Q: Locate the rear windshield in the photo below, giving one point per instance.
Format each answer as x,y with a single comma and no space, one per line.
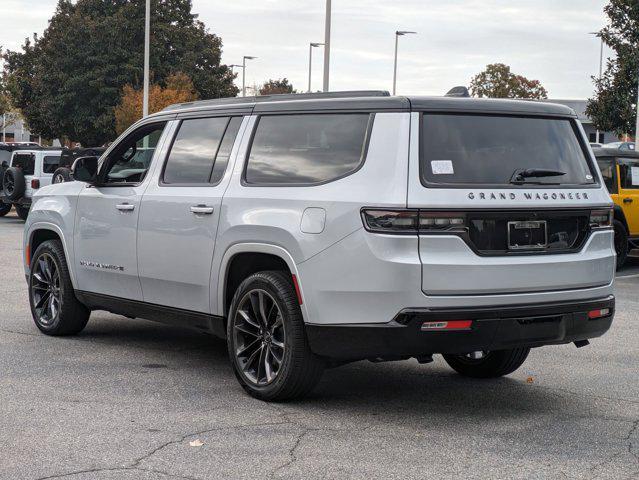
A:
493,150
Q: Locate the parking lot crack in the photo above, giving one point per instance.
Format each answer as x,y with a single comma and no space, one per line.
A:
292,452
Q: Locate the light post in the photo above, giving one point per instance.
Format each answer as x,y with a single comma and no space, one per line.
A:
310,61
244,59
327,45
600,63
398,33
147,42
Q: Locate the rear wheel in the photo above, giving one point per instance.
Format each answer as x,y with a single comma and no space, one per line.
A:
22,211
55,309
621,243
266,339
492,364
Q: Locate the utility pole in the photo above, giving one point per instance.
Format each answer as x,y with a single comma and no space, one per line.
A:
244,59
147,42
327,45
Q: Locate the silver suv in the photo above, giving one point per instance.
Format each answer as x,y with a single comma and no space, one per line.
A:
315,230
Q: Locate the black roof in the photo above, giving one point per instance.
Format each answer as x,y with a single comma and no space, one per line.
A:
366,101
614,152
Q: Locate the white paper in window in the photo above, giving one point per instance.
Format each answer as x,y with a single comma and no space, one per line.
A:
442,167
634,172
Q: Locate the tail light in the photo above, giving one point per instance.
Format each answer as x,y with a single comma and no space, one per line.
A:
601,218
599,313
35,183
412,221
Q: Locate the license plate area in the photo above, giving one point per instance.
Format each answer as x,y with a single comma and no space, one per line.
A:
527,235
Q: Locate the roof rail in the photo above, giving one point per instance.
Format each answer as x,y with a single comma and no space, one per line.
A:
283,97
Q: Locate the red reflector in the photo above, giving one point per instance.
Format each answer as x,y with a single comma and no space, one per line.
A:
35,183
297,289
603,312
28,255
448,325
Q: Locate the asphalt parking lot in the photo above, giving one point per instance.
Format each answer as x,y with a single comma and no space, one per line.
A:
131,399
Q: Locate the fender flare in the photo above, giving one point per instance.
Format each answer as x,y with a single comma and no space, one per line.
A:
56,229
253,247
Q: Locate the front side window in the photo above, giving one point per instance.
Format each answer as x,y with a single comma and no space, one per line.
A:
201,150
129,161
495,150
306,149
629,173
607,167
50,163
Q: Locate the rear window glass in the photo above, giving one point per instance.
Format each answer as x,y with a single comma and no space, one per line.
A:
492,150
50,163
607,167
629,173
26,162
306,149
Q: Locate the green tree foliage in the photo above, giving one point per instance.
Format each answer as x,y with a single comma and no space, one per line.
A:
67,82
273,87
497,81
614,106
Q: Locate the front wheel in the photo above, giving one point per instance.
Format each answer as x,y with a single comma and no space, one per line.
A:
266,339
492,364
22,211
54,307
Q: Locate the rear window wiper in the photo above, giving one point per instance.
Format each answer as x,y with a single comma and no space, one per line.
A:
520,176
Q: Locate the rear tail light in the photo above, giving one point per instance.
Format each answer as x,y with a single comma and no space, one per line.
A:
599,313
412,221
601,218
447,325
35,183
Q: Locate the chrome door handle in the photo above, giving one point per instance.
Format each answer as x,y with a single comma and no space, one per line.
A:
125,207
201,209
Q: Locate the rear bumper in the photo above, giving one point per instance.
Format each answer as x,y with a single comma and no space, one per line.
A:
493,328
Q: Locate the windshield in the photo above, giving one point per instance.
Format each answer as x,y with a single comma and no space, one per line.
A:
493,150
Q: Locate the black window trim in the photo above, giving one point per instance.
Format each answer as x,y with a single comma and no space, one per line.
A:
105,156
362,160
584,148
181,120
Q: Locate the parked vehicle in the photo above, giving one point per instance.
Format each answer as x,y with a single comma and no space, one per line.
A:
624,146
620,172
6,150
69,155
314,230
27,171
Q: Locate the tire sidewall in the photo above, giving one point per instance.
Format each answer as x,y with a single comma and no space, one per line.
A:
291,317
19,185
622,236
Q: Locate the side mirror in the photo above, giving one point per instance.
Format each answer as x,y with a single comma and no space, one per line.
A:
85,169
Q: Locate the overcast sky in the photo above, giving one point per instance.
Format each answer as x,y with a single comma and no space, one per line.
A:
541,39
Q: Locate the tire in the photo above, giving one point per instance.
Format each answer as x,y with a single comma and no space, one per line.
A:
299,369
13,184
22,211
621,243
68,316
4,208
61,175
493,364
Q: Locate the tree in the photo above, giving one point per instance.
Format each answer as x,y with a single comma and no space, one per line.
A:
497,81
179,88
273,87
614,107
68,81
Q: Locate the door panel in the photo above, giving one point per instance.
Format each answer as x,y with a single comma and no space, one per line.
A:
628,197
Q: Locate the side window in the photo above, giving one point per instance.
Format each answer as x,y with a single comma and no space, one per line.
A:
50,163
629,173
25,162
607,167
200,151
130,160
306,149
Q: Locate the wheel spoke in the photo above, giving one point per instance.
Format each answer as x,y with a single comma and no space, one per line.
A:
278,322
242,350
277,343
274,355
43,299
252,358
268,369
247,318
261,364
262,302
243,329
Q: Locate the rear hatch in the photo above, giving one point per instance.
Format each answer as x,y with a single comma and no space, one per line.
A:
508,203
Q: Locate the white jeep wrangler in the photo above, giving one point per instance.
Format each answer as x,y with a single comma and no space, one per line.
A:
314,230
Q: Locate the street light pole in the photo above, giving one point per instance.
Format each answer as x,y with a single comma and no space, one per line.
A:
600,63
244,59
147,42
310,61
327,45
398,34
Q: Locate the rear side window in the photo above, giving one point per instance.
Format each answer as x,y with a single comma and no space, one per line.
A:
607,167
50,163
629,173
491,150
306,149
201,150
25,162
